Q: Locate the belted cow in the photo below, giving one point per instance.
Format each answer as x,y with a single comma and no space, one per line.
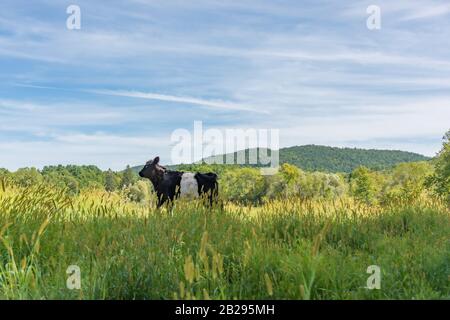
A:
170,185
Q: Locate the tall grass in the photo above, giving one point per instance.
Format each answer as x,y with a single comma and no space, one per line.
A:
282,250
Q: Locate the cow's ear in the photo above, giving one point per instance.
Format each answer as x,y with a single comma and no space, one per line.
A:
156,160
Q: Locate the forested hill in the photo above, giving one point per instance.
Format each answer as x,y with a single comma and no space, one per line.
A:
332,159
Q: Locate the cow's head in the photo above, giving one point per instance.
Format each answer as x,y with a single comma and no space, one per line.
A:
152,170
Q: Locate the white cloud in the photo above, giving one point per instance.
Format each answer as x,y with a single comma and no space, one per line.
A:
400,10
427,12
216,104
105,151
313,71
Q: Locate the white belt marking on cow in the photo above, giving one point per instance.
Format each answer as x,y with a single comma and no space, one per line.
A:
189,185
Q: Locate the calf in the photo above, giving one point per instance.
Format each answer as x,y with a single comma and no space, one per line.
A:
169,184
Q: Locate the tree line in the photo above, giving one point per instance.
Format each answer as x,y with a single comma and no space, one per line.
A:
406,182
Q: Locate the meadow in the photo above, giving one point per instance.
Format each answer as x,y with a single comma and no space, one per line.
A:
281,249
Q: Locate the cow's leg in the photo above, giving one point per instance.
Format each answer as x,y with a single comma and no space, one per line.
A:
171,199
204,196
211,202
159,204
170,207
214,194
161,200
211,197
208,198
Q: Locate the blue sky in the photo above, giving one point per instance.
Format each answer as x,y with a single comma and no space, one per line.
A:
111,93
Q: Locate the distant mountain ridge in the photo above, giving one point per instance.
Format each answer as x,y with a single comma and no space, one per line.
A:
333,159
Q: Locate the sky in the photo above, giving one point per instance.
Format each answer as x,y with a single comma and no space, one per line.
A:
112,92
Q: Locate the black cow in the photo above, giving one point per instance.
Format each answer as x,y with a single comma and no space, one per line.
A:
169,184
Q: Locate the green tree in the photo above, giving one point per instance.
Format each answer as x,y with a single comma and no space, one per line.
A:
128,178
440,181
72,185
85,176
321,185
4,174
363,184
285,183
245,185
27,177
110,181
291,181
406,181
137,192
276,187
290,173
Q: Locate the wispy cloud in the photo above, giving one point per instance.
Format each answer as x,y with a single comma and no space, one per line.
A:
216,104
115,150
311,68
427,12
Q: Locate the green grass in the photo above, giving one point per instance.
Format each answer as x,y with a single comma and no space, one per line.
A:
282,250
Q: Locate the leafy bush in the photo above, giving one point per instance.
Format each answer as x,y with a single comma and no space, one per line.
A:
440,181
137,192
245,185
364,186
293,182
27,177
406,182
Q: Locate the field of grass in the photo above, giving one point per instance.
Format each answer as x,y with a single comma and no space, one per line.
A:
282,250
